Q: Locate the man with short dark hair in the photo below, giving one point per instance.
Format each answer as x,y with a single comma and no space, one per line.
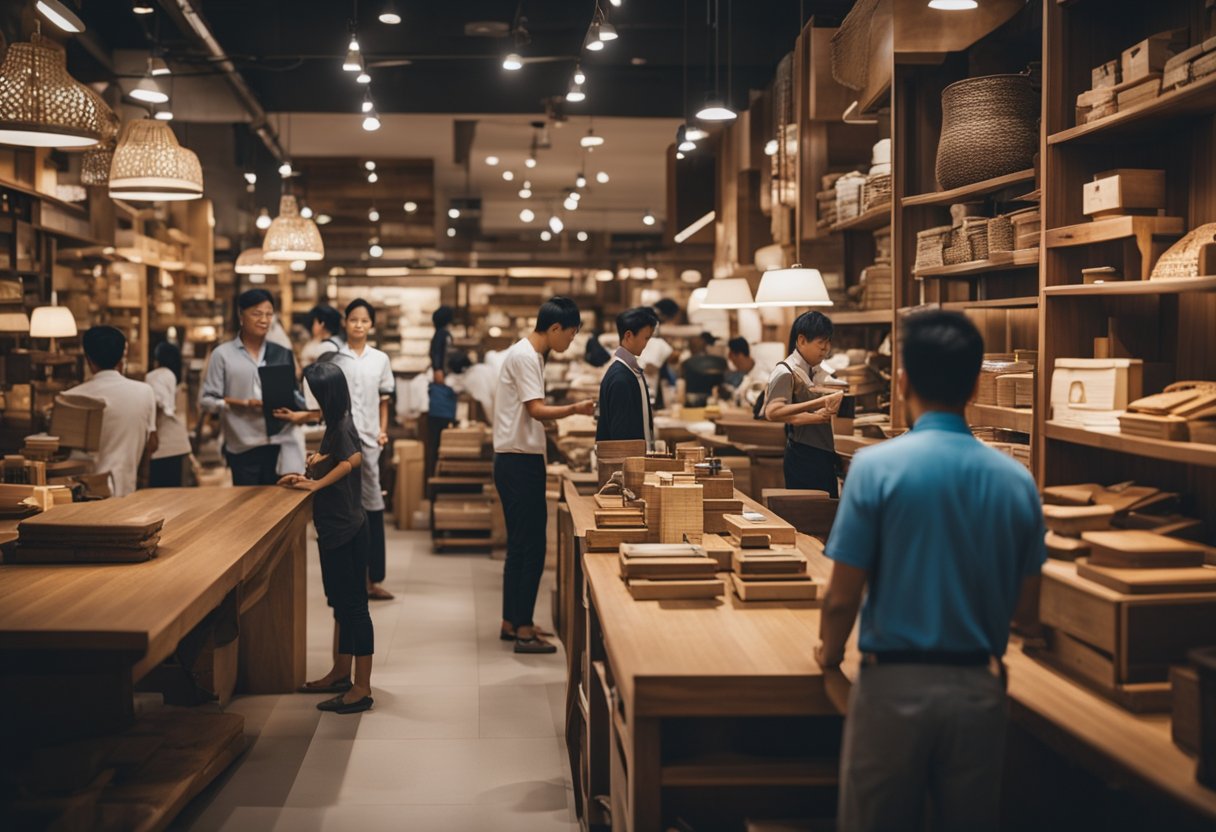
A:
944,537
625,409
324,324
746,374
519,464
128,424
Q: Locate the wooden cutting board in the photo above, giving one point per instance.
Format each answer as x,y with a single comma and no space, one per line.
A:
1150,581
1138,549
679,590
787,590
1076,519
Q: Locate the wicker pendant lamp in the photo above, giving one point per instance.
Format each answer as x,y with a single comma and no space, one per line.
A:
41,105
292,237
96,161
253,261
150,166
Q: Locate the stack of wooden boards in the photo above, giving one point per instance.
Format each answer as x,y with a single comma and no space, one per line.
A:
1134,601
18,501
667,571
105,531
772,575
464,510
1177,415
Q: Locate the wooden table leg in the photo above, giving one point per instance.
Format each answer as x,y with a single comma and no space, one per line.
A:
274,647
645,775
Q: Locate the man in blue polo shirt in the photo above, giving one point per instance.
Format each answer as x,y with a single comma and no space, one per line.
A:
944,537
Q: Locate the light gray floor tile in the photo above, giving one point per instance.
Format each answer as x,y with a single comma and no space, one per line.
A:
516,711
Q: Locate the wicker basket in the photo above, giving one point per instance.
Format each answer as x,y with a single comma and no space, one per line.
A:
957,250
930,247
1183,258
1027,224
989,129
1000,234
851,46
975,231
875,191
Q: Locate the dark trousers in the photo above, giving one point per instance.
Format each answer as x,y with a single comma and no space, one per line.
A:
434,427
375,546
520,480
255,466
344,576
811,468
166,472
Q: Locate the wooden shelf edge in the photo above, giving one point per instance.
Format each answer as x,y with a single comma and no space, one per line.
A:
994,303
1001,261
1189,453
750,772
982,188
871,220
1134,287
1112,228
863,317
1185,100
1020,419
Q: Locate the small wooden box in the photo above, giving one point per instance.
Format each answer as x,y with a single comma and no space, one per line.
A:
682,590
719,549
1150,55
804,589
780,533
1081,386
1073,520
1146,90
1107,74
681,514
1124,191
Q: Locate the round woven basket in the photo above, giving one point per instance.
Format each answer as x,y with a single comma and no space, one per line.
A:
989,129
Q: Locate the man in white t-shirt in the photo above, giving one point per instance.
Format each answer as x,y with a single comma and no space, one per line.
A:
519,464
128,424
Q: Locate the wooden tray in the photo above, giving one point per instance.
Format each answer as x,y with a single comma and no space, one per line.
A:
1139,549
646,590
787,590
1150,581
1076,519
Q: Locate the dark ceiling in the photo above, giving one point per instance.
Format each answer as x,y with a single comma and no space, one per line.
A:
290,51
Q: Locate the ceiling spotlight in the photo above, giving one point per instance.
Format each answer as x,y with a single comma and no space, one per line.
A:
390,15
679,155
451,232
593,42
158,67
353,62
306,212
375,250
508,175
251,178
583,236
513,62
648,219
580,77
371,123
591,139
369,165
142,7
526,191
527,215
555,224
695,132
373,178
324,219
367,106
263,221
616,3
149,92
454,213
546,236
410,207
373,215
608,32
163,115
363,77
770,147
492,161
602,177
530,162
576,94
716,110
580,181
953,5
570,204
285,169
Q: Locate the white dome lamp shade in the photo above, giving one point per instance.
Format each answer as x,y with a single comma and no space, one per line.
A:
715,109
52,322
728,293
291,237
792,287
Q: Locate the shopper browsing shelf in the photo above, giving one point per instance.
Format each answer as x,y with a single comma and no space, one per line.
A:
747,374
334,477
324,324
128,424
944,538
172,439
519,464
625,408
796,397
233,389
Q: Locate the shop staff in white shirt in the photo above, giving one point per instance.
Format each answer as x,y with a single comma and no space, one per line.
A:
370,379
128,424
172,440
519,464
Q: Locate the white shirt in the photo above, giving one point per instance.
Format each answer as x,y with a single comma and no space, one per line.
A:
652,359
129,419
369,376
521,380
479,381
313,351
171,436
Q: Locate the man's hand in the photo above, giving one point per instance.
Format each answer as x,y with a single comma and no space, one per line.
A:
305,484
288,480
585,407
825,661
813,417
832,403
244,404
296,417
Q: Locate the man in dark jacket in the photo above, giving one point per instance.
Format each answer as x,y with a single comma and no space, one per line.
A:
624,395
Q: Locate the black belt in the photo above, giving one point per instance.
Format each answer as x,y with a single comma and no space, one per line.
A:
953,658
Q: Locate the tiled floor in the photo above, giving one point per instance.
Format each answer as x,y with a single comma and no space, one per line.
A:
465,735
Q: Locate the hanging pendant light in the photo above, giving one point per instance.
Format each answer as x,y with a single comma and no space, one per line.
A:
150,166
147,90
728,293
953,5
580,181
95,162
157,67
593,42
41,105
513,62
715,109
795,286
683,143
607,32
555,224
591,139
371,123
367,107
364,77
648,219
576,95
253,261
390,16
264,220
354,60
60,15
580,77
527,215
306,212
142,6
695,132
290,236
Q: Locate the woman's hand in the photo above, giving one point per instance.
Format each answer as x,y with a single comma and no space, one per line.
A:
295,417
832,403
382,439
812,417
244,404
305,484
289,480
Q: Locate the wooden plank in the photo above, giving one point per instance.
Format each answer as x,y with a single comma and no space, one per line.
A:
1178,285
1113,228
1010,418
965,193
1187,453
1198,98
785,590
877,217
1150,581
682,589
998,262
1072,520
1136,548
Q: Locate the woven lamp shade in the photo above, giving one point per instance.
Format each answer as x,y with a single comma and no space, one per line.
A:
253,261
292,237
41,105
95,162
149,165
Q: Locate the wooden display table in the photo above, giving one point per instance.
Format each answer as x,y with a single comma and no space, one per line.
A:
74,639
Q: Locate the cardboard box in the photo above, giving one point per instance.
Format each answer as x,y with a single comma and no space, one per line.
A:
1124,191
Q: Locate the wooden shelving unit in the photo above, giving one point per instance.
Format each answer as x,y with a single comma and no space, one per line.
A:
999,262
1187,453
1194,101
1020,419
1119,288
872,220
1112,228
864,317
969,192
998,303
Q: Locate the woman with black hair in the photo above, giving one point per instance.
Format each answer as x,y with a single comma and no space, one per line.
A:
334,477
797,398
173,445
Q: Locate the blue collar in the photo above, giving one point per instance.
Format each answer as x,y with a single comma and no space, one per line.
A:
940,420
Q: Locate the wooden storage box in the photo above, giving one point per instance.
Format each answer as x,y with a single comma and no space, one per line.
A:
1107,74
1150,55
1124,191
1123,645
1027,228
1146,90
1082,386
780,533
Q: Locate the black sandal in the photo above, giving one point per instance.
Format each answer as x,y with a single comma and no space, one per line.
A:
337,706
340,686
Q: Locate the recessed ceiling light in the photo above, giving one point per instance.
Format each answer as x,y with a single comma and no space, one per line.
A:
546,236
602,177
451,232
410,207
583,236
60,15
527,215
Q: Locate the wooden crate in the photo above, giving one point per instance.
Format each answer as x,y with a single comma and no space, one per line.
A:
717,486
1124,191
610,540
